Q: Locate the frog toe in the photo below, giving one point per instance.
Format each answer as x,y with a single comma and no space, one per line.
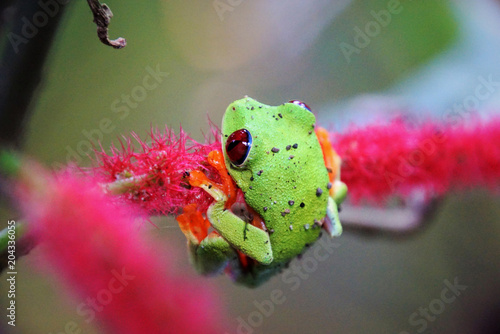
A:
332,222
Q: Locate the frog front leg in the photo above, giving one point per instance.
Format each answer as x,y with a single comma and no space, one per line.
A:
338,189
212,252
248,239
338,193
332,221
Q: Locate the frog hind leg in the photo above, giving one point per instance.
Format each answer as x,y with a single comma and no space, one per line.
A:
209,253
245,237
213,255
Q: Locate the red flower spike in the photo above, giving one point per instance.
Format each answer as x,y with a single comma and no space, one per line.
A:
155,177
378,161
385,159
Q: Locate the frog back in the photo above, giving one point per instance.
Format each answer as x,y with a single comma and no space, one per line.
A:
284,177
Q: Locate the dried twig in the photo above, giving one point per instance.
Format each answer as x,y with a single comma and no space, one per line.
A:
102,16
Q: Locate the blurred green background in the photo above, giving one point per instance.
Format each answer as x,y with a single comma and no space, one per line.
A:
424,57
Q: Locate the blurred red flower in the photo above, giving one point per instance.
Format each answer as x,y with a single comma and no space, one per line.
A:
92,245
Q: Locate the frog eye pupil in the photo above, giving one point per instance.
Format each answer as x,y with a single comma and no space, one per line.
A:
238,146
300,103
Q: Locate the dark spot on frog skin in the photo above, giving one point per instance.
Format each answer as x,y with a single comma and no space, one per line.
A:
329,186
234,108
264,208
319,191
280,115
252,108
288,147
291,157
275,150
287,211
310,132
291,202
295,145
329,170
251,179
259,173
302,205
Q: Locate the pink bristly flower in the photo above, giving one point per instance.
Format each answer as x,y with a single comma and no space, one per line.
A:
154,176
91,244
380,160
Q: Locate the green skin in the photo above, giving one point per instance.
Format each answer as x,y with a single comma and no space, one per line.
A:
284,179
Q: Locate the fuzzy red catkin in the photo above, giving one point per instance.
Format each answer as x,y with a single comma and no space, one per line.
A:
117,277
165,161
379,160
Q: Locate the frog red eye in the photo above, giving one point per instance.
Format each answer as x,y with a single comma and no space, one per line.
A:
238,146
300,103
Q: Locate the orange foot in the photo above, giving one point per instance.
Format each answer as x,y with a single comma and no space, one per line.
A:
193,224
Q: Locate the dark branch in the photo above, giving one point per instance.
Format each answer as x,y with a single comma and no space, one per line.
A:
102,18
27,44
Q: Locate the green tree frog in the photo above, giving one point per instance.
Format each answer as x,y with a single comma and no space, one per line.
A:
280,186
